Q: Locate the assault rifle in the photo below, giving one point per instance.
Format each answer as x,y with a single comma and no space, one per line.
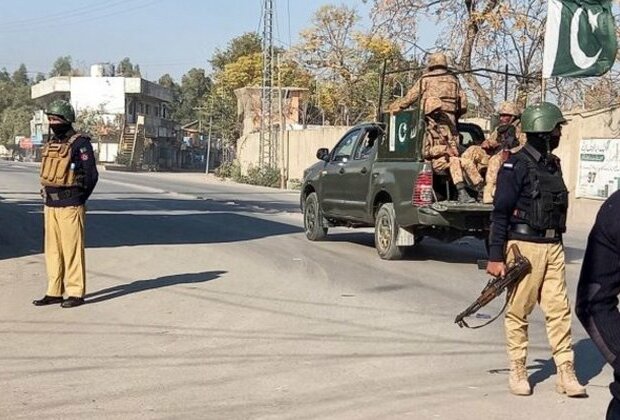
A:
515,271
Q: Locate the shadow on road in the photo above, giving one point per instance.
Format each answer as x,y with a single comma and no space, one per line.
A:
144,285
133,221
588,364
465,251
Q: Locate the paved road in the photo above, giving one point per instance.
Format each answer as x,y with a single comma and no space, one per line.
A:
206,301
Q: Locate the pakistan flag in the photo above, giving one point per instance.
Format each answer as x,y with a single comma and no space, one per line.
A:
580,38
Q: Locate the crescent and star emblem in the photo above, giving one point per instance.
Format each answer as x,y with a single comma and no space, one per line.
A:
580,58
402,132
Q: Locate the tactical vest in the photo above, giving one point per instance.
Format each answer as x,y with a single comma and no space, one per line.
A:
549,196
445,87
56,168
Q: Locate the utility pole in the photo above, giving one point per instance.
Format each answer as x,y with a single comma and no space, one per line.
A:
266,152
200,109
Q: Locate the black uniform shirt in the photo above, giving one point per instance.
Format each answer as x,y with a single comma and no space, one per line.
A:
83,162
599,286
514,191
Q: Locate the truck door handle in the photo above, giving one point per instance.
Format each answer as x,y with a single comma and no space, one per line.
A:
341,171
364,170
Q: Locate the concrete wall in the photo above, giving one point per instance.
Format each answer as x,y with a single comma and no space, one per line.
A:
603,124
298,150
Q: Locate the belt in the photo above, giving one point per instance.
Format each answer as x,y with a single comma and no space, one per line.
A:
64,194
527,230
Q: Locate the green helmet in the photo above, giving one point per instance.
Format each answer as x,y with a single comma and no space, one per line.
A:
62,109
541,118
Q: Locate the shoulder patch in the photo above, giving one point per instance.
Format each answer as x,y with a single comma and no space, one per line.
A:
508,165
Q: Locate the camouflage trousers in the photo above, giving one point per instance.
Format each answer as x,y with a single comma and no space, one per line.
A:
456,166
452,165
474,160
495,163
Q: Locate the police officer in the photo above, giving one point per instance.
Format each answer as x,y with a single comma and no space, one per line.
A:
530,209
68,175
437,82
598,290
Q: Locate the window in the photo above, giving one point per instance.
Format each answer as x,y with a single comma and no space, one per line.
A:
140,108
344,149
148,109
367,145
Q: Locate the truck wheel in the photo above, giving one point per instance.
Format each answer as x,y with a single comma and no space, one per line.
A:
313,219
386,231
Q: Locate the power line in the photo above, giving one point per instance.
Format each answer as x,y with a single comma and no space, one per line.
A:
80,19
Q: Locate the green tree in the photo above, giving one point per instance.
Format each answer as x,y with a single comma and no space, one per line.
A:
20,76
195,86
126,68
62,66
4,75
246,44
168,82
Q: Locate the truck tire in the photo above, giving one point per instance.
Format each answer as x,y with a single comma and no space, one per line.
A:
313,219
386,231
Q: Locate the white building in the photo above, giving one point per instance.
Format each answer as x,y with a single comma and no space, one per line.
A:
142,108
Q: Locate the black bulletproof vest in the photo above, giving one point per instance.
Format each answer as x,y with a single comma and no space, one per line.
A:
548,202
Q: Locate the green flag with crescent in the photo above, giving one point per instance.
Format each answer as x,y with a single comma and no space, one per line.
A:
580,38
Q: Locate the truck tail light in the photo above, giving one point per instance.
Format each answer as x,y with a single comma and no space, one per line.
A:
423,187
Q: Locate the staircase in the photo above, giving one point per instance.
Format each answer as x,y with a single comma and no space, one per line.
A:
131,144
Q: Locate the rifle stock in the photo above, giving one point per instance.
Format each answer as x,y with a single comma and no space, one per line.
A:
515,271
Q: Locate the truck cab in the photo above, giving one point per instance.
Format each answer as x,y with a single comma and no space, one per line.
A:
375,176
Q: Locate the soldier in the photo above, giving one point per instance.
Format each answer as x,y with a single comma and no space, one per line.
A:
507,138
68,176
437,82
441,149
530,209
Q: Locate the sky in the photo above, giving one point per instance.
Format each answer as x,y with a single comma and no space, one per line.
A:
161,36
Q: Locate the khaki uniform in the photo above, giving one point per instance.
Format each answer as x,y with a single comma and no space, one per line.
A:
64,250
440,148
496,161
545,285
68,175
478,157
436,83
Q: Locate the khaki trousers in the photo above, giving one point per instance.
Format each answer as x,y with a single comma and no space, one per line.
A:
545,284
473,160
64,250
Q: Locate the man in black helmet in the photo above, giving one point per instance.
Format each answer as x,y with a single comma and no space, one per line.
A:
68,176
530,207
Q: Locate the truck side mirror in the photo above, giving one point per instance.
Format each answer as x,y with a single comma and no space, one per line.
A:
322,154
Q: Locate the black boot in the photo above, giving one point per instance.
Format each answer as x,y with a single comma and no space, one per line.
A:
72,302
47,300
463,197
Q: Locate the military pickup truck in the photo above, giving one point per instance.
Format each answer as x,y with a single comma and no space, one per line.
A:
375,177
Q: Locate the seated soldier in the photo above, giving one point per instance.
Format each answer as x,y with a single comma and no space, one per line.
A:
440,148
506,139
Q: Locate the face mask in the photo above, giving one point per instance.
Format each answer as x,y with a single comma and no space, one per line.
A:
554,142
60,130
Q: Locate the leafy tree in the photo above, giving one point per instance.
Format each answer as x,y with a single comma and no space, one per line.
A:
168,82
346,62
126,68
39,78
195,86
4,75
20,76
246,44
62,67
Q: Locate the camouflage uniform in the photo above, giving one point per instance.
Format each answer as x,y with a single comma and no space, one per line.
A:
441,148
497,143
437,82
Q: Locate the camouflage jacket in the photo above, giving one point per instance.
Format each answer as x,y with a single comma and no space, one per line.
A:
440,84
